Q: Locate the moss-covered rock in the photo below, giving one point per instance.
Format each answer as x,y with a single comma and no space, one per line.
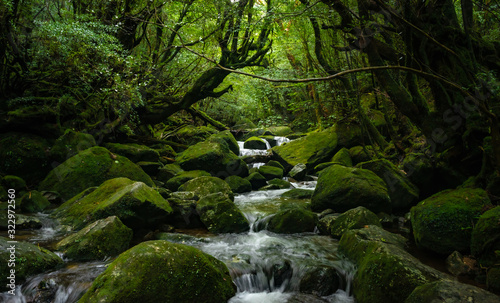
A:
191,134
184,176
298,193
24,155
275,164
29,260
355,218
443,222
134,152
420,170
280,183
14,182
255,143
403,193
386,273
450,291
22,222
486,238
320,280
244,123
292,220
168,171
257,180
150,168
88,168
270,172
226,137
342,188
320,167
280,130
203,186
160,271
33,202
70,144
238,184
214,157
298,172
359,154
103,238
220,214
493,280
342,157
136,204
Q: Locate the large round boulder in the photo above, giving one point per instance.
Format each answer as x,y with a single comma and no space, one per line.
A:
486,238
226,137
355,218
183,176
270,172
443,222
238,184
342,188
291,220
88,168
70,144
136,204
255,143
220,215
103,238
134,152
161,271
203,186
450,291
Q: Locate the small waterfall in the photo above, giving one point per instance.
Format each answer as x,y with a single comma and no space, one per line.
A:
281,140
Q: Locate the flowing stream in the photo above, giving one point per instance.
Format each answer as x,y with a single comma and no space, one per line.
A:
266,267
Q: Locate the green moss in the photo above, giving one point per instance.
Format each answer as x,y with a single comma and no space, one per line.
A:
96,241
89,168
354,218
190,134
134,152
255,143
238,184
275,164
450,291
280,130
270,172
203,186
220,215
70,144
225,137
298,193
342,157
359,154
184,176
33,202
14,182
342,188
30,260
136,204
443,222
292,220
280,183
160,271
486,237
257,180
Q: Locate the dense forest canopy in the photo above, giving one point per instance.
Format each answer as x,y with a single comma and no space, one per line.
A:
429,68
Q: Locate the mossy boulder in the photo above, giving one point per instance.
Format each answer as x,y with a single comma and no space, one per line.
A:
22,222
493,280
342,188
191,134
310,150
203,186
167,172
33,202
486,238
420,170
290,220
280,130
355,218
320,280
257,180
359,154
275,164
280,183
386,273
136,204
220,215
134,152
70,144
226,137
450,291
298,193
160,271
270,172
214,157
24,155
342,157
443,222
255,143
238,184
150,168
403,193
103,238
89,168
184,176
29,259
14,182
298,172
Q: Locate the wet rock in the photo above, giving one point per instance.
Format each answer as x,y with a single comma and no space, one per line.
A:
292,220
89,168
280,130
203,186
220,215
298,193
70,144
355,218
342,157
359,154
160,271
22,222
342,188
298,172
403,193
191,134
136,204
455,264
184,176
320,281
134,152
280,183
255,143
179,238
29,259
270,172
225,137
96,241
443,222
280,273
150,168
184,213
485,245
238,184
275,164
386,272
450,291
168,171
325,223
257,180
14,182
304,298
33,202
